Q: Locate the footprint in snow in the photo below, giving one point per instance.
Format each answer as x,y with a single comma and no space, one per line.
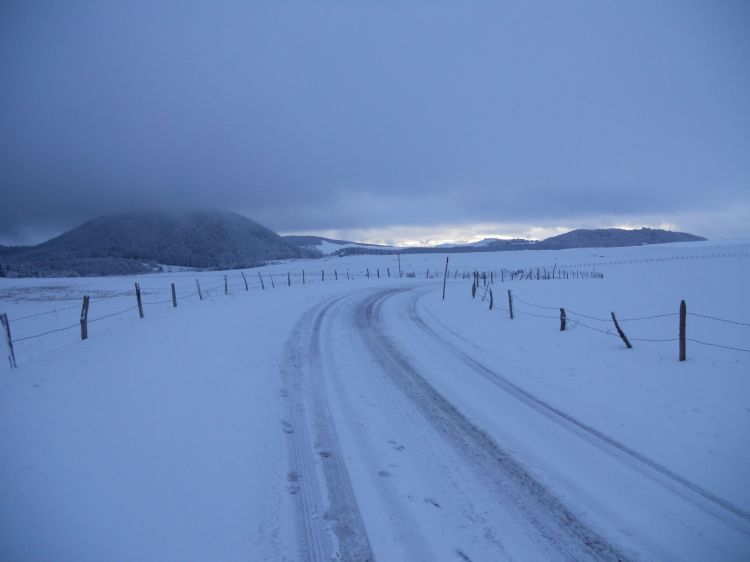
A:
397,446
292,482
286,427
384,474
433,502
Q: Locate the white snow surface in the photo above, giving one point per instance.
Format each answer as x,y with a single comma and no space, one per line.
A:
367,418
329,248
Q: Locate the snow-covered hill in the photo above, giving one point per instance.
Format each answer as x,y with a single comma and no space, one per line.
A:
329,246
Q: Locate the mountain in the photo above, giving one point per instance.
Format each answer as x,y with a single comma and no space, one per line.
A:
140,241
581,238
611,237
329,246
479,244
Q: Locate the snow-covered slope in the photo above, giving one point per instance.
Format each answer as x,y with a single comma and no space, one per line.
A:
329,246
365,417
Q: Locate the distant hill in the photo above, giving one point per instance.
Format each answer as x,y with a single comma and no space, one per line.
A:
582,238
611,237
329,246
140,241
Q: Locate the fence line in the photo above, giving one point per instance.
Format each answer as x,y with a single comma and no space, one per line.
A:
565,318
487,278
208,289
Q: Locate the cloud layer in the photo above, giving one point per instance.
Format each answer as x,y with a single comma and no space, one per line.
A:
355,116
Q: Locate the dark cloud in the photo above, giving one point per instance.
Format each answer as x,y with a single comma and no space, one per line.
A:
332,115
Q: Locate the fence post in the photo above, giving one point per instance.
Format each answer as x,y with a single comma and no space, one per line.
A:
245,280
226,286
491,300
399,264
347,274
138,298
389,271
270,276
446,276
200,295
683,319
378,273
368,272
474,288
303,276
174,297
622,334
336,275
85,318
563,318
322,275
6,328
510,304
288,279
262,285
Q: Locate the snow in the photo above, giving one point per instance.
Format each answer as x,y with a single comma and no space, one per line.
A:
329,248
367,416
477,244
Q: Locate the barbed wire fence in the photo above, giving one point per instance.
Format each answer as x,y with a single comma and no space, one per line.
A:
611,326
202,287
209,286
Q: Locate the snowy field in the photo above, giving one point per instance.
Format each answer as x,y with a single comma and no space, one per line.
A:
358,417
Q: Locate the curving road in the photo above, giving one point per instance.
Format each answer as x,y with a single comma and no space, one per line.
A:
405,444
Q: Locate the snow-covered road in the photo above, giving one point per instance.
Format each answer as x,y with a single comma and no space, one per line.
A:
426,453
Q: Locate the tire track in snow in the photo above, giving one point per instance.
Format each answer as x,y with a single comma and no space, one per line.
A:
687,489
327,509
504,477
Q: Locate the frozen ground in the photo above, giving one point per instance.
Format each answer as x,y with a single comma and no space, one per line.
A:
367,418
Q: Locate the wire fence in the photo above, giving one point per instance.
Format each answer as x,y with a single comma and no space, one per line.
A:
201,287
210,286
570,318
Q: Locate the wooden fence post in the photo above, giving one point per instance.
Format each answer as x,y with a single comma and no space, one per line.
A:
85,318
622,334
336,275
388,269
474,288
378,273
322,275
200,295
510,304
563,318
347,274
303,276
138,298
8,340
262,285
491,300
288,279
446,276
174,297
273,285
226,286
245,280
683,321
368,272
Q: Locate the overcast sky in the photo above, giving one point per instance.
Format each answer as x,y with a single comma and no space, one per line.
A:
385,121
